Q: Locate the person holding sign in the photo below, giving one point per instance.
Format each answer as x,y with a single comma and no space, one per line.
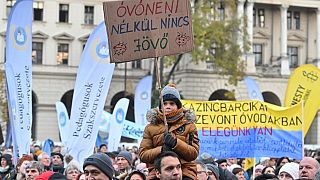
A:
181,136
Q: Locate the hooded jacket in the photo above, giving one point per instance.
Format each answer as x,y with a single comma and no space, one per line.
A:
181,125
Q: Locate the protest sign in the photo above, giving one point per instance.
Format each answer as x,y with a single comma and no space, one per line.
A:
142,29
304,85
229,129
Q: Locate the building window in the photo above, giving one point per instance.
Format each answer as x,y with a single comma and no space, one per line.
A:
257,51
63,13
88,14
261,18
63,53
37,49
289,20
37,11
293,56
136,64
254,17
10,4
293,20
221,11
296,20
209,64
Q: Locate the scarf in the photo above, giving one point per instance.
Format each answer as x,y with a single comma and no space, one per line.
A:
172,117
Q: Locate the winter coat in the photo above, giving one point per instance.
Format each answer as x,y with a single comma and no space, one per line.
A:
181,125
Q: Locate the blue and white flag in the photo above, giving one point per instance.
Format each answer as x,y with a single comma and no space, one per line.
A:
90,93
18,69
116,122
130,129
63,122
142,100
253,89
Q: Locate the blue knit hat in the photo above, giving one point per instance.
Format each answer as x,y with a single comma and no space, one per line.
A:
127,155
170,93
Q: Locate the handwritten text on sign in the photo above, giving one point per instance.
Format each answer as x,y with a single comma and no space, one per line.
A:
140,29
242,129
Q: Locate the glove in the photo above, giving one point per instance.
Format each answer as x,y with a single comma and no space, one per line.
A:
169,140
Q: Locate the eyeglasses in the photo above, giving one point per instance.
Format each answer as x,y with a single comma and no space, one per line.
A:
93,172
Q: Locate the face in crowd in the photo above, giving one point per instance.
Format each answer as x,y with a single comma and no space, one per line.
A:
201,173
169,107
285,176
72,174
94,173
170,169
223,165
122,163
56,160
308,168
45,159
240,175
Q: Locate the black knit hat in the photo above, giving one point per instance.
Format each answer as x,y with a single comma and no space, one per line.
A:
102,162
56,153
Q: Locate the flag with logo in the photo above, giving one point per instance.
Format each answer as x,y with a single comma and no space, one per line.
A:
142,100
90,92
304,85
18,68
116,122
253,89
63,121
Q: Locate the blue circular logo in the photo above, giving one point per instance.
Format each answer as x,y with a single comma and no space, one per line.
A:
102,50
62,119
119,115
20,36
144,95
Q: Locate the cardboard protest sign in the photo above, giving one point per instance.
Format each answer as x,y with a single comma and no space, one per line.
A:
242,129
140,29
304,85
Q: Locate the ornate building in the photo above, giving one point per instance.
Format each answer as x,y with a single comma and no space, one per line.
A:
283,35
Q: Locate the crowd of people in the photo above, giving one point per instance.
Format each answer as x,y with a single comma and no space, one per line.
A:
127,165
169,150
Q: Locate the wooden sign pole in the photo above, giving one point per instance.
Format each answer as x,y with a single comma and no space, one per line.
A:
156,59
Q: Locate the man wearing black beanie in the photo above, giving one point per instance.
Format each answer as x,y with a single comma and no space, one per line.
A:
99,167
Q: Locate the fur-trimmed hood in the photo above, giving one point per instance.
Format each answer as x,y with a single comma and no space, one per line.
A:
152,115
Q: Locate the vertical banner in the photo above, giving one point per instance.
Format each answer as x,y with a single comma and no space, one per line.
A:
304,84
18,69
142,100
90,93
254,93
116,122
253,89
63,121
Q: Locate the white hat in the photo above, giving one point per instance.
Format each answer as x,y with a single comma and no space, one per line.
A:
230,168
291,168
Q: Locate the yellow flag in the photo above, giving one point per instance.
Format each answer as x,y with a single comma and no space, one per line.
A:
249,163
304,85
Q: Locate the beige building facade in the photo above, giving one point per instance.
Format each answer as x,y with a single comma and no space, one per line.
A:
282,34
